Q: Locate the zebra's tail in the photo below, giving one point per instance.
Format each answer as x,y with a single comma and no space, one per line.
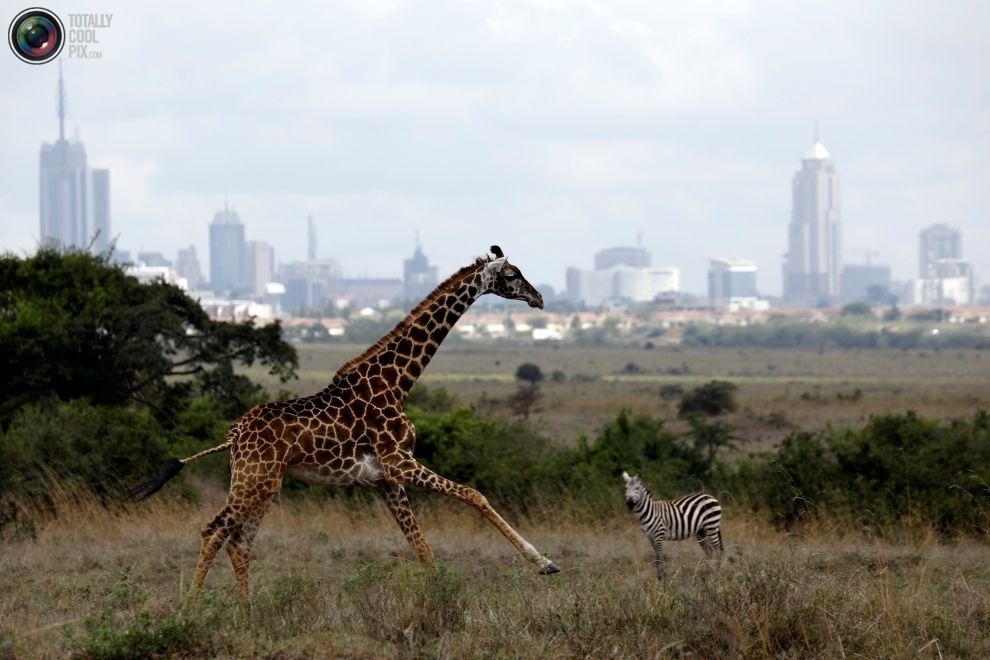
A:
172,467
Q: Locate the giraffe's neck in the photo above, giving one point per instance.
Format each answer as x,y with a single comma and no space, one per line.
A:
396,361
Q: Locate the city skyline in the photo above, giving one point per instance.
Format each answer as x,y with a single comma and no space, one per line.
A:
678,123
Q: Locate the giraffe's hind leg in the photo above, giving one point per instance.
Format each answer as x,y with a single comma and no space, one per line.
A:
213,535
240,542
398,504
238,522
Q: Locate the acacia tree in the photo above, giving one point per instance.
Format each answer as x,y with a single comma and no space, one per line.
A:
527,395
714,398
75,326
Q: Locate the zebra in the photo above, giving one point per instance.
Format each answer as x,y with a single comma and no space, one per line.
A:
697,515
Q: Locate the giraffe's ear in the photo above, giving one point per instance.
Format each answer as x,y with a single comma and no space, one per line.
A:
626,477
495,265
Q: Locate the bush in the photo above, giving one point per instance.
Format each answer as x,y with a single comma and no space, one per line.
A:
77,441
713,398
897,470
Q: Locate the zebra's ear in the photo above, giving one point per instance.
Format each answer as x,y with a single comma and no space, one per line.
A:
625,476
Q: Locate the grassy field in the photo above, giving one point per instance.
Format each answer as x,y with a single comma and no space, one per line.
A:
333,577
779,390
331,580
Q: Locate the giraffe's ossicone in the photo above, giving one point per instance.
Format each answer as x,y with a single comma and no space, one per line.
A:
354,431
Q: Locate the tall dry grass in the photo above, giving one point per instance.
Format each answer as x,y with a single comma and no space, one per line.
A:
332,578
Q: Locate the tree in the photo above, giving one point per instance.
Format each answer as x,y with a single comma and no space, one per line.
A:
529,372
75,326
713,398
857,309
528,394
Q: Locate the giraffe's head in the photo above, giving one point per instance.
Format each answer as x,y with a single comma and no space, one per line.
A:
505,280
635,491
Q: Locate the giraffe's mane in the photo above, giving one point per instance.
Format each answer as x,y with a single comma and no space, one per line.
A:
403,326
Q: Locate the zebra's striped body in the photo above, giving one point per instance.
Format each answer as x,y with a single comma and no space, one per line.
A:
698,515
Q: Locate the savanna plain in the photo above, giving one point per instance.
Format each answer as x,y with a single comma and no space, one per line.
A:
333,577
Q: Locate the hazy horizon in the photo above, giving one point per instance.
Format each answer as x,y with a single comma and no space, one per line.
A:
553,129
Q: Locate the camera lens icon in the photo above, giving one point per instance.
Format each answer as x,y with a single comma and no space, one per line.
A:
36,35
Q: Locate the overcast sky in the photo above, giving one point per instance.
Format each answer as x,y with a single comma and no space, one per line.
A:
552,128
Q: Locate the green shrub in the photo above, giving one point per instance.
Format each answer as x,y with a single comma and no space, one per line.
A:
100,446
897,470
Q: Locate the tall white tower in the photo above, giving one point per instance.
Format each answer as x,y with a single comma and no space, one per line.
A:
814,248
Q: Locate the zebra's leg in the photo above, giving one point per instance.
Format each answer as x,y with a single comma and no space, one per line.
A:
660,564
716,541
705,541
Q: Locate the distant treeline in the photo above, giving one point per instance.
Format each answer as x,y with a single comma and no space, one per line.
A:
838,334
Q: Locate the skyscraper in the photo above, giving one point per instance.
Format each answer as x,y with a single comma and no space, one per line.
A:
228,263
74,200
936,243
814,247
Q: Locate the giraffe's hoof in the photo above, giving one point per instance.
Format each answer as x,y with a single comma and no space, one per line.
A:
549,568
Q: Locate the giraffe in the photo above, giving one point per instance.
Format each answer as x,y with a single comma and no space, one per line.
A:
353,432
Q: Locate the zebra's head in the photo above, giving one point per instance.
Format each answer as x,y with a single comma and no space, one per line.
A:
635,491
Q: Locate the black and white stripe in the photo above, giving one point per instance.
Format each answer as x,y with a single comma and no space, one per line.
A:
698,515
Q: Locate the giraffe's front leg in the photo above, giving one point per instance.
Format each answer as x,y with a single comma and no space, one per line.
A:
397,502
411,472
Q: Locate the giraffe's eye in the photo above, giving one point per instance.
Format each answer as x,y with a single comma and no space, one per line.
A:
509,275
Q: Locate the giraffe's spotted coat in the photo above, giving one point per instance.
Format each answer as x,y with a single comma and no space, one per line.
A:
354,431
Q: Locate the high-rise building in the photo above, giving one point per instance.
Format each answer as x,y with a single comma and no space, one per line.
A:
74,200
935,243
418,276
732,282
308,283
310,238
228,271
634,257
870,282
100,226
260,266
814,247
187,266
944,278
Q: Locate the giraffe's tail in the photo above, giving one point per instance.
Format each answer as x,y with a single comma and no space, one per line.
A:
171,468
145,490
